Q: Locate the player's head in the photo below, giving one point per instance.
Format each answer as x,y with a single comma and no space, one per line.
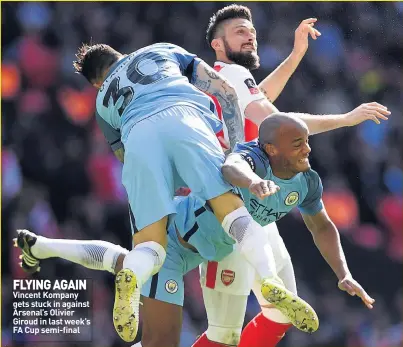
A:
232,36
94,61
285,140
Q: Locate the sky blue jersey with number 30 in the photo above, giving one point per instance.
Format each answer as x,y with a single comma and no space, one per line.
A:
148,81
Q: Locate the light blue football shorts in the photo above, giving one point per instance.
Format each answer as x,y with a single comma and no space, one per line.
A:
173,146
197,225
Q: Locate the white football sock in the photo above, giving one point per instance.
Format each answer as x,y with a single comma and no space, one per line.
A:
145,260
275,315
252,241
96,255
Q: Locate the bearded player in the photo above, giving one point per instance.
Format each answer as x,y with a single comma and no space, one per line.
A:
334,122
258,168
232,36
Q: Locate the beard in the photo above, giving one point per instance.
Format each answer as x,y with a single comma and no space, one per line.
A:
249,60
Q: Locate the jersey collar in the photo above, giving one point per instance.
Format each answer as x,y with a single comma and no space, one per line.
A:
220,64
115,65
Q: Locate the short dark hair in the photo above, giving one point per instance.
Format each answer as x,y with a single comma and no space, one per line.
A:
228,12
93,60
270,126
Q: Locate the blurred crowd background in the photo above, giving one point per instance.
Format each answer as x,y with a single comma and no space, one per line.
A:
61,180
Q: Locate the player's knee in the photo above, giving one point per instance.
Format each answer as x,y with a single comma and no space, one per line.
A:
224,204
156,232
157,252
224,335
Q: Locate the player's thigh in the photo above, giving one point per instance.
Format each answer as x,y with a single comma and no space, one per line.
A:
148,174
225,203
162,323
197,154
285,269
287,275
225,314
224,309
232,275
226,286
153,232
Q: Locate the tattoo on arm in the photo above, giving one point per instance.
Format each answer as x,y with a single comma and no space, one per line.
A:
211,73
207,80
202,85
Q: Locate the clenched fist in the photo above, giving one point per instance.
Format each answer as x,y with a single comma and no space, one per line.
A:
263,188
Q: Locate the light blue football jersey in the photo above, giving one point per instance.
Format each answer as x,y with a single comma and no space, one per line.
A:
148,81
304,190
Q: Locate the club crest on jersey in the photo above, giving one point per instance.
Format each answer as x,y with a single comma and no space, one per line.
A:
227,277
171,286
291,198
251,84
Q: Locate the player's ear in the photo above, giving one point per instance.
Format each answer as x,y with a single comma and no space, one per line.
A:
270,149
217,44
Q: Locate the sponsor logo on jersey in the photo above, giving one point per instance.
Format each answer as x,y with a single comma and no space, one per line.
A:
251,84
291,198
171,286
227,277
263,214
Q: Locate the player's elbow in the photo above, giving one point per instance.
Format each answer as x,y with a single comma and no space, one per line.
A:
230,90
227,171
225,168
325,228
225,90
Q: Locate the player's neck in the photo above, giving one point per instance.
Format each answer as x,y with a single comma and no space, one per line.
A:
280,172
106,73
220,56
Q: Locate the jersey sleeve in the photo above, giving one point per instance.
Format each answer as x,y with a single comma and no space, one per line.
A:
254,156
244,84
112,135
188,62
312,203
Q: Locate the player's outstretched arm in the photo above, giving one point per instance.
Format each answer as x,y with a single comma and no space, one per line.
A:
321,123
209,81
327,239
258,110
273,85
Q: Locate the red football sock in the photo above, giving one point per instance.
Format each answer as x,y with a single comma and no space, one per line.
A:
262,332
203,341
